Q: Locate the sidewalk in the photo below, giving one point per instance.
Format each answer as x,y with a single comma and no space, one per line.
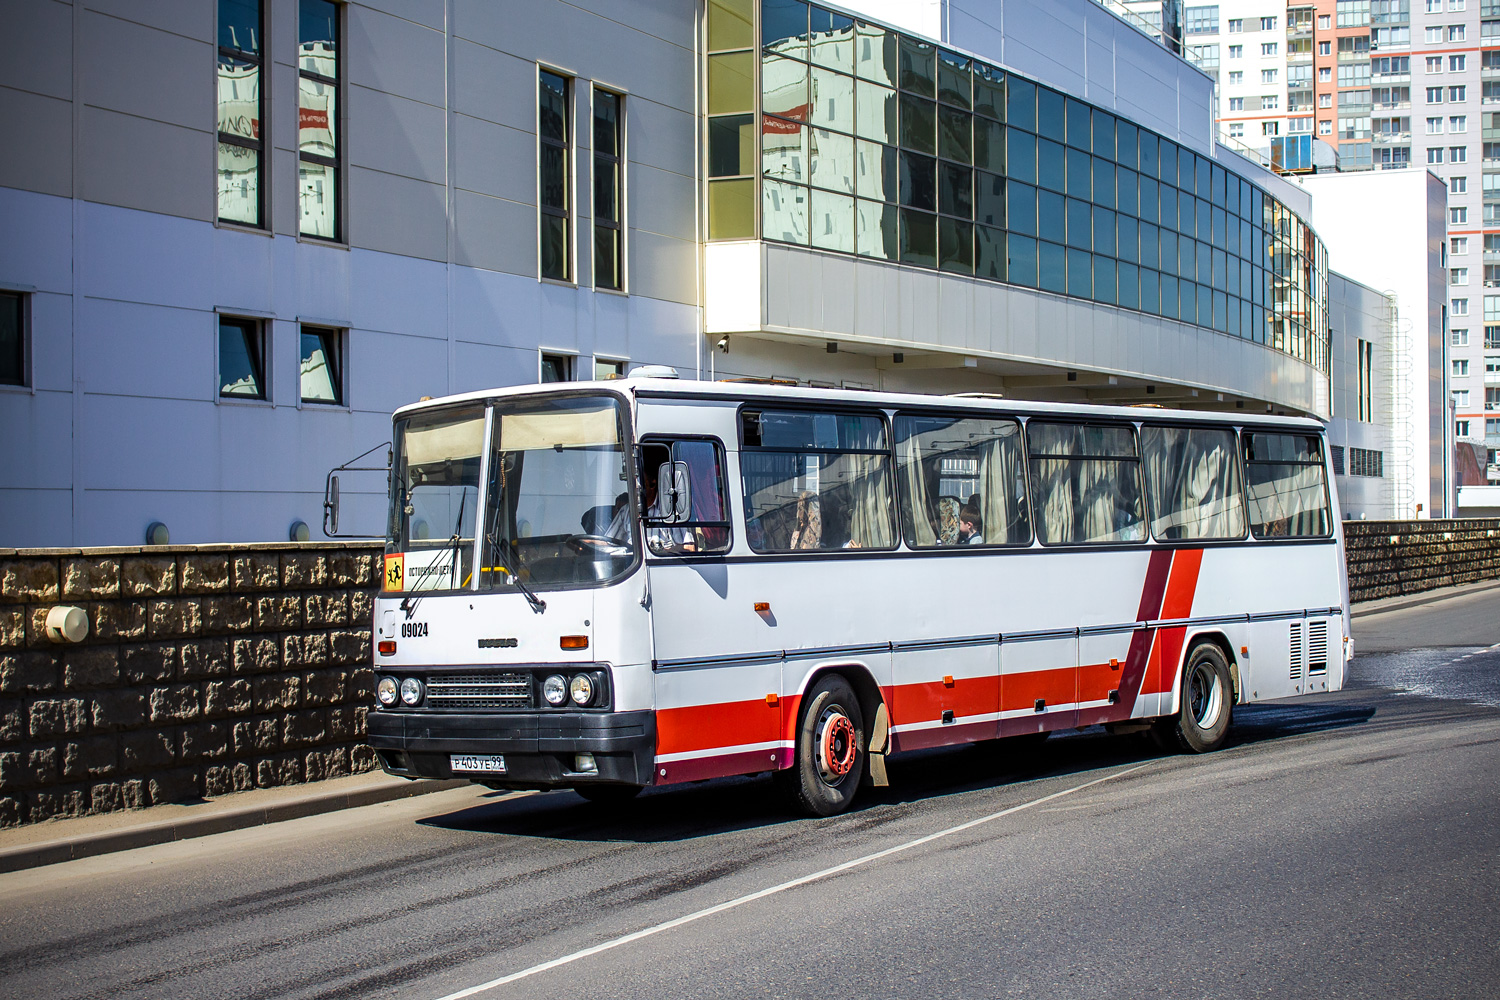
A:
85,836
1417,600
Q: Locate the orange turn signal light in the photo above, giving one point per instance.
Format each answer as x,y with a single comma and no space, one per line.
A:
772,699
948,681
761,607
387,647
574,642
1244,650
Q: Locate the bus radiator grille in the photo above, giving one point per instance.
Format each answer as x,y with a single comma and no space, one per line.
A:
479,690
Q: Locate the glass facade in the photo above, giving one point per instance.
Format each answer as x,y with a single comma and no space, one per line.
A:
866,141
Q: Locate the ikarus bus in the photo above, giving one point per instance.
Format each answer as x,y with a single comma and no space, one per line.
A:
608,585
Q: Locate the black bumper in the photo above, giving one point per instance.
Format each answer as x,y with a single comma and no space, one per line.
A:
538,747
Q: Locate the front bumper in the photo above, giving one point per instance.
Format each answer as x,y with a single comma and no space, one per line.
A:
538,747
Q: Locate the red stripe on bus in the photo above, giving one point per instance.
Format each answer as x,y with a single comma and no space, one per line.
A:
722,765
1131,679
706,727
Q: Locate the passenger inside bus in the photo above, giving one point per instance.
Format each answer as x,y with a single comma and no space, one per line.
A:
970,523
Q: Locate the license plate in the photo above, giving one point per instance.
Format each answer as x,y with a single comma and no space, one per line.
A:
481,764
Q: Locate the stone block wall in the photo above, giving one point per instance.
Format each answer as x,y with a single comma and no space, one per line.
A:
1391,558
206,670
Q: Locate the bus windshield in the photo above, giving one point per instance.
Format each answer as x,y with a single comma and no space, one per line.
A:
558,508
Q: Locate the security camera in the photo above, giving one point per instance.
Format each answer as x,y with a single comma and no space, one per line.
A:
724,344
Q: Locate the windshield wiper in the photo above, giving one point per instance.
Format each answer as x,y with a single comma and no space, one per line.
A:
463,499
537,604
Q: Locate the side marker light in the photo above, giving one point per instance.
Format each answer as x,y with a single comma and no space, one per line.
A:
387,647
573,642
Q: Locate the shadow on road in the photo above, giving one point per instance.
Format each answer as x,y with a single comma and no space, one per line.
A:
709,808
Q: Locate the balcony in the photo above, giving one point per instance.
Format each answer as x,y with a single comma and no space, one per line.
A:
1391,137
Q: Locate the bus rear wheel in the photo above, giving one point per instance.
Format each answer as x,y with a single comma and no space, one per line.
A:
830,750
1207,704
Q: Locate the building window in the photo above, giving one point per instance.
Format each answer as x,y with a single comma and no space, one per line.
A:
1458,275
1236,77
1236,25
1434,6
1270,128
1455,32
1461,428
1236,51
1268,24
554,134
1325,48
1456,64
1236,130
1201,20
1491,338
1434,126
1435,154
1323,24
1364,352
1458,185
607,369
1459,337
1458,94
1461,398
241,114
1461,368
1325,100
1325,74
557,368
318,141
12,338
1268,76
1268,48
1458,154
322,365
1270,102
1491,399
609,190
1325,127
1236,104
1459,307
242,358
1458,123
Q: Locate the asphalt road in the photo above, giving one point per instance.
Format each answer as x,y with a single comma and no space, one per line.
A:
1343,846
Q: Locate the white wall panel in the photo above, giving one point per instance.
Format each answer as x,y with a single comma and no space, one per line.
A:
396,294
43,258
146,257
397,214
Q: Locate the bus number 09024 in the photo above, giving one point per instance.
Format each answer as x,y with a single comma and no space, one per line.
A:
413,630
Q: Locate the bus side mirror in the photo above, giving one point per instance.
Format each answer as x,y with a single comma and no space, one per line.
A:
674,498
331,506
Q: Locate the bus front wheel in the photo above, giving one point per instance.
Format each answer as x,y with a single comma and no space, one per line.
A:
830,750
1207,703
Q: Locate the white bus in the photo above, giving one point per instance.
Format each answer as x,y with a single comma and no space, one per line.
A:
608,585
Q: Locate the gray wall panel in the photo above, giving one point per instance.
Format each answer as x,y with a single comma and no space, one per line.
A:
168,78
494,233
396,135
36,48
661,202
494,85
431,13
137,163
661,136
191,18
493,159
397,214
662,268
37,154
397,56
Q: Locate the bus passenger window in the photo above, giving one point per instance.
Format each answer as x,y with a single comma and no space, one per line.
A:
1287,487
816,481
961,481
706,531
1086,483
1193,482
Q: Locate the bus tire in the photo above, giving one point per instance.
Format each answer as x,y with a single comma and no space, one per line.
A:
608,794
830,750
1207,704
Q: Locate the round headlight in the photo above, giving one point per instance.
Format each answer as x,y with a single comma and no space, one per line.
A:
582,689
555,689
411,691
385,691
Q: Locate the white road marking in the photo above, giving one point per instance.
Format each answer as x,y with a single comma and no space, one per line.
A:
773,890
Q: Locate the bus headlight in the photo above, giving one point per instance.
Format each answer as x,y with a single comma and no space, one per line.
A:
385,691
555,690
582,689
411,691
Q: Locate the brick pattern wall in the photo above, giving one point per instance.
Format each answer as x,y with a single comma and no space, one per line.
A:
1391,558
206,670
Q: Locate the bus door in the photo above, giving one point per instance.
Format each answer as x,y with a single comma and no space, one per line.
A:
717,692
1038,681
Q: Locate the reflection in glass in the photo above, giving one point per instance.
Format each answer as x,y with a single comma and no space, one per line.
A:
317,117
319,366
731,146
1080,127
1080,273
783,88
783,212
1150,207
1052,267
1204,219
918,238
875,53
1187,177
1020,207
878,173
954,134
956,246
1127,145
1104,231
989,92
1151,245
1052,217
1129,237
783,150
239,25
1051,114
832,158
731,24
1168,207
1080,224
875,113
918,124
1129,287
1104,182
953,79
1052,165
1104,279
989,198
1020,155
918,66
1168,251
239,98
832,100
1104,134
783,27
955,185
1020,103
1150,162
1169,296
1021,260
832,221
1150,291
918,181
989,253
989,145
832,40
730,83
317,186
876,230
239,184
240,359
1080,182
1168,162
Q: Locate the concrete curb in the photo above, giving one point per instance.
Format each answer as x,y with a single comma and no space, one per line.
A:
51,852
1382,605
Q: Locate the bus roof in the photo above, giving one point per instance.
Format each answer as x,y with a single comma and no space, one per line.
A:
731,392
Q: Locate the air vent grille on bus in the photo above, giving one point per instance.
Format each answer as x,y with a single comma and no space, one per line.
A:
479,690
1296,651
1317,647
